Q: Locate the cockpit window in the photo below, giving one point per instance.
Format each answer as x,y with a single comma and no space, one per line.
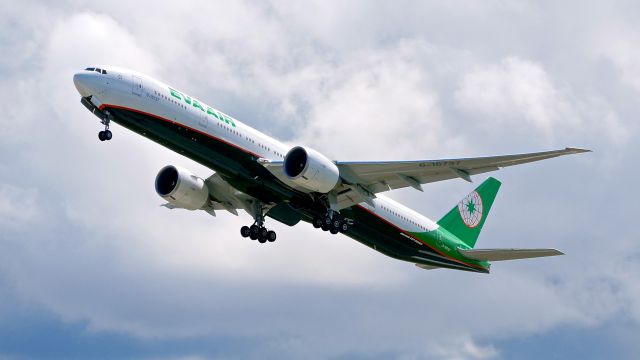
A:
98,70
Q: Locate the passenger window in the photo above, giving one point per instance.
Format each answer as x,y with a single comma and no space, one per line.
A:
104,72
89,69
98,70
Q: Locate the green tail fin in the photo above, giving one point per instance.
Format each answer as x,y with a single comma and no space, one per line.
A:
466,219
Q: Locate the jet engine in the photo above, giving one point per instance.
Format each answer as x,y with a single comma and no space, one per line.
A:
311,170
181,188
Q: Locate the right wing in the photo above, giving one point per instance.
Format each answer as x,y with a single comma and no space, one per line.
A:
362,180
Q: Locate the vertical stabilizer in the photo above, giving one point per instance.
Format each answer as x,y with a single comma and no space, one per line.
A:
466,219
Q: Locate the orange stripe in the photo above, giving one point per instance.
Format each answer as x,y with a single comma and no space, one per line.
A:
178,123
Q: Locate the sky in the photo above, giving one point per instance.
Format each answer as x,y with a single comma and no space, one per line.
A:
92,267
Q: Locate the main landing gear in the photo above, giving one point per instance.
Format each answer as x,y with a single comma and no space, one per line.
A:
258,231
332,221
106,134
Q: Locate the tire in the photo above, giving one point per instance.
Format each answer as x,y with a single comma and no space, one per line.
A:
101,136
108,135
262,239
327,220
336,224
333,231
317,222
325,227
263,233
344,227
245,231
271,236
254,232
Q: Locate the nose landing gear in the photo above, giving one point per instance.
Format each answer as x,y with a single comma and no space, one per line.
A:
106,134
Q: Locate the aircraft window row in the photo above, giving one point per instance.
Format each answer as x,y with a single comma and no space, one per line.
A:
98,70
404,218
237,133
174,102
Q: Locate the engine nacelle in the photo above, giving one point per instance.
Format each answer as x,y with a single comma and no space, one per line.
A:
311,170
181,188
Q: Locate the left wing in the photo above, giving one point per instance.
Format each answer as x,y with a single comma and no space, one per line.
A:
222,196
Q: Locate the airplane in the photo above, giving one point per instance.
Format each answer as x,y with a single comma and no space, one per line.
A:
268,178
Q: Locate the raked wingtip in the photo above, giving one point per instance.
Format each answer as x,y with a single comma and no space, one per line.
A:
577,150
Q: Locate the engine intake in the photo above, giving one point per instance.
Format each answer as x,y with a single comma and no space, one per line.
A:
311,170
181,188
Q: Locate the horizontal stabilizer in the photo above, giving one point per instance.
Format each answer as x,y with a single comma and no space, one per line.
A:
427,267
507,254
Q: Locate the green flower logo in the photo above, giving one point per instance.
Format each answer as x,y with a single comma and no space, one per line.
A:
470,209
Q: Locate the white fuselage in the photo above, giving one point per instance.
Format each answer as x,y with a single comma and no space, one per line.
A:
128,89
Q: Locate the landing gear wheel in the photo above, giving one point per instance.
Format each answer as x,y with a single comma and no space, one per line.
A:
271,236
245,231
334,230
327,220
336,223
317,222
254,232
106,133
325,227
262,239
263,233
344,227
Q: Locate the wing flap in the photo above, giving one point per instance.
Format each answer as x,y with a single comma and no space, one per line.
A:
507,254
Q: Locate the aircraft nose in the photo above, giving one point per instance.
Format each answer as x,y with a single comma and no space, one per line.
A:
83,83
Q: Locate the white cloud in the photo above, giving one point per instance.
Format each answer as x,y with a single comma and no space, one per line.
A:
617,44
380,105
515,90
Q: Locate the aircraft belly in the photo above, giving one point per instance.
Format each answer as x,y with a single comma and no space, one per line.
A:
235,165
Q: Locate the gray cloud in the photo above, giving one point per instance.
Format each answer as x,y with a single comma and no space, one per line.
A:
83,237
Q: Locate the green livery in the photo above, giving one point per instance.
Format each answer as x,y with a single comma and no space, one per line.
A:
465,221
460,227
